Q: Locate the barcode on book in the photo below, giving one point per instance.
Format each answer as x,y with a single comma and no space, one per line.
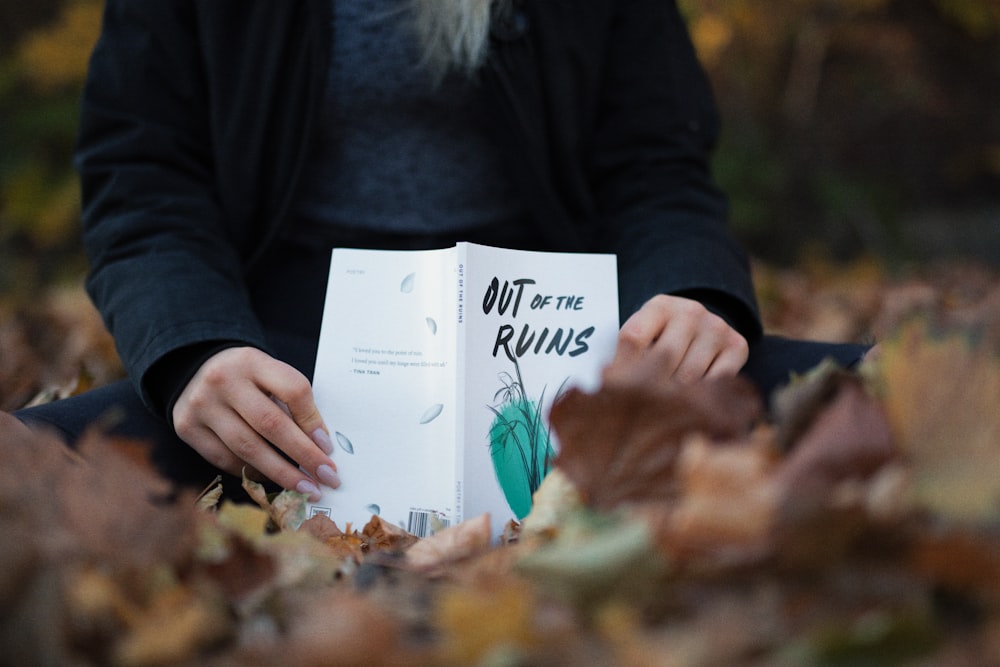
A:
423,523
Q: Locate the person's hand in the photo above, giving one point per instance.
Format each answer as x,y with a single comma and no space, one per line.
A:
672,339
242,406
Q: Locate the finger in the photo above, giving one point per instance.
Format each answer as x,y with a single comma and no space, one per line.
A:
252,449
640,331
211,448
275,426
672,348
635,339
697,359
711,336
294,393
730,359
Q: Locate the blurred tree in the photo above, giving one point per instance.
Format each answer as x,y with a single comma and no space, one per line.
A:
845,117
40,81
843,120
17,18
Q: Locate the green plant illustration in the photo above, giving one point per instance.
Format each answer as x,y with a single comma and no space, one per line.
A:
520,441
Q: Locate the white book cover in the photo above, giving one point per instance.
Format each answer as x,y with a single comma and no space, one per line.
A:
436,370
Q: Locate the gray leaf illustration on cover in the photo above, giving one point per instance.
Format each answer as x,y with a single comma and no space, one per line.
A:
432,325
431,413
407,285
344,443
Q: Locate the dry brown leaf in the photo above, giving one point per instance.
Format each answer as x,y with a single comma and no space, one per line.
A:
492,619
338,627
247,521
117,508
287,509
54,347
846,437
321,527
177,626
208,500
555,500
595,559
242,570
351,545
451,544
619,445
941,394
960,558
726,510
384,536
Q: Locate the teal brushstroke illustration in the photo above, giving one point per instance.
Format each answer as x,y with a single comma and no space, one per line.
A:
520,443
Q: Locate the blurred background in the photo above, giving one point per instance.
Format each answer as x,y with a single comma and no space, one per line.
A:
857,133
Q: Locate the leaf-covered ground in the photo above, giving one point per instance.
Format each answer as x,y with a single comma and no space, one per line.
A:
855,522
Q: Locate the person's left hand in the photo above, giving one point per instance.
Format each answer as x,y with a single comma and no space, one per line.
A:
673,339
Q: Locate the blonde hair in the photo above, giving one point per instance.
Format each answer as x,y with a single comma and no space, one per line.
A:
454,35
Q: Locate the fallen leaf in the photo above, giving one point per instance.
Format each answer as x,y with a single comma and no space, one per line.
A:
726,509
339,627
493,619
594,559
451,544
845,434
287,510
619,445
941,394
555,500
960,558
385,536
177,627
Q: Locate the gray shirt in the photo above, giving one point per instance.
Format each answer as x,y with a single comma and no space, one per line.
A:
397,154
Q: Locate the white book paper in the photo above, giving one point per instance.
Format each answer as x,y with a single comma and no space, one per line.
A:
436,370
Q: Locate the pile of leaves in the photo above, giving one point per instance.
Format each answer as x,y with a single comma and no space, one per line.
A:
52,347
856,521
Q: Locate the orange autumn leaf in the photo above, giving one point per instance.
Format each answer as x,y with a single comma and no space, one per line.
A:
491,618
941,394
382,535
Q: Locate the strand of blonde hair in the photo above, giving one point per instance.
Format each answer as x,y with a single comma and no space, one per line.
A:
453,34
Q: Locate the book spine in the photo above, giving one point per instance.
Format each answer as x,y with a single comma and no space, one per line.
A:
461,313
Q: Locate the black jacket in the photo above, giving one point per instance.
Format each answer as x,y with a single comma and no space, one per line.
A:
197,115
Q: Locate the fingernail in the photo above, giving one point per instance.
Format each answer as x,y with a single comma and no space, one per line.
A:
323,441
307,488
328,476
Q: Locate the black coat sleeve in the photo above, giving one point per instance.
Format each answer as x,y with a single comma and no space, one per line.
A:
165,270
659,210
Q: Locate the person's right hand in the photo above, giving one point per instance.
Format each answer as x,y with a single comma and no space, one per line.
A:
243,406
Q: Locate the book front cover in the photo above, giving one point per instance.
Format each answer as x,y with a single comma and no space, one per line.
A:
534,324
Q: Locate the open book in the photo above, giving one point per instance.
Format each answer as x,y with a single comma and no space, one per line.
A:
436,370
